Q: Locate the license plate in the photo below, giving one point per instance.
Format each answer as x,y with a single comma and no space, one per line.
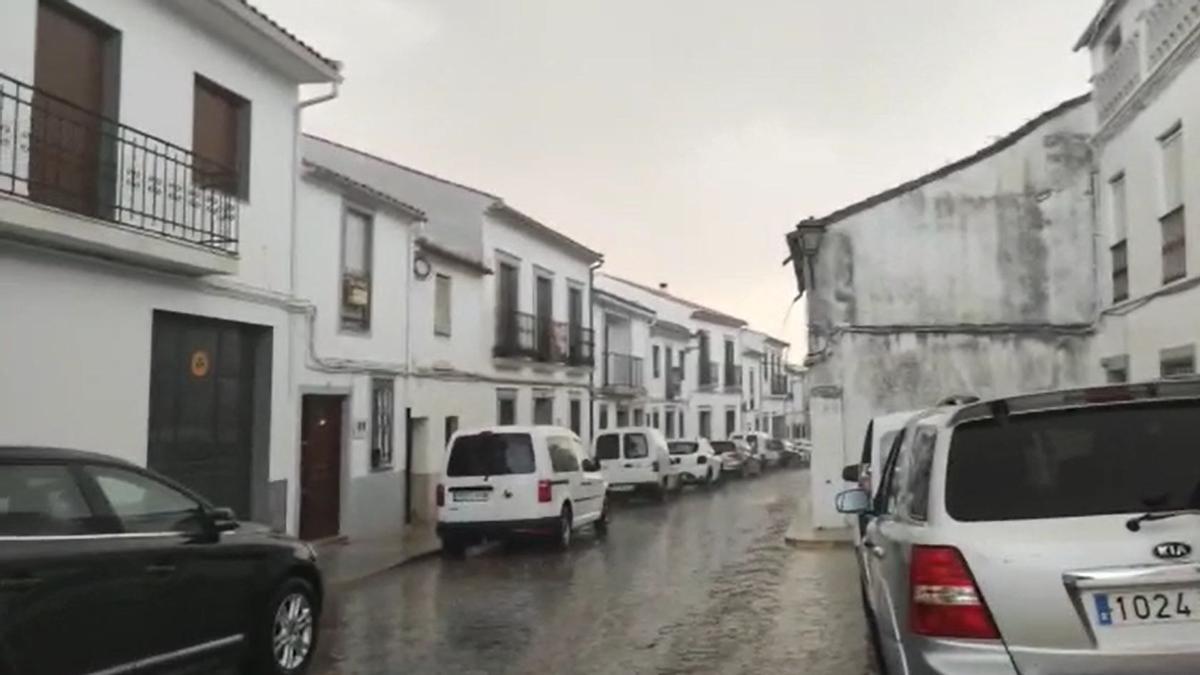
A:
621,488
471,496
1136,608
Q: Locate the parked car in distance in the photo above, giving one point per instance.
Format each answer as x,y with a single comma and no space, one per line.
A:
803,449
694,461
1043,533
108,567
508,481
787,454
635,459
758,442
737,458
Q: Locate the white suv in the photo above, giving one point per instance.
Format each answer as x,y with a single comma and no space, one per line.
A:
501,482
695,461
635,459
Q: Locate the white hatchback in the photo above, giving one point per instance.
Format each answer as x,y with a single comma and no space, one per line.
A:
695,461
759,443
635,459
502,482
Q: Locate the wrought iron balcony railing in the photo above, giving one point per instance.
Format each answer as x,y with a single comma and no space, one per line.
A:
525,335
55,153
623,370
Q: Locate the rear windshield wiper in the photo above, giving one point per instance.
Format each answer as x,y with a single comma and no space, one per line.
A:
1135,524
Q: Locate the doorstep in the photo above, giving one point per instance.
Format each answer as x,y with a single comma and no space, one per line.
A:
345,561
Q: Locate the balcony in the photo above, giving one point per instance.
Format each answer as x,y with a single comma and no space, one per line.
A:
710,376
674,383
779,385
1168,22
1120,78
521,335
624,374
89,184
733,378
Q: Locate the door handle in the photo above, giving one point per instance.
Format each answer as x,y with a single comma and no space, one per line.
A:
160,569
19,583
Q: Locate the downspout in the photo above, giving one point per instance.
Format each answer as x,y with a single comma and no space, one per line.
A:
591,400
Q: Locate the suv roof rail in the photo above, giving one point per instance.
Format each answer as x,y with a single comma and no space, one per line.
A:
1160,390
957,400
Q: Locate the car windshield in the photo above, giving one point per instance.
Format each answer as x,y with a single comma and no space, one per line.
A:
683,447
724,446
491,455
1130,459
775,445
608,446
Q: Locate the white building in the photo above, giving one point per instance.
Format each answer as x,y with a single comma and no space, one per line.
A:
710,395
626,362
978,278
1147,102
767,394
147,176
493,326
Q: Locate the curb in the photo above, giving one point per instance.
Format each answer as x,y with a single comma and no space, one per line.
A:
348,583
808,544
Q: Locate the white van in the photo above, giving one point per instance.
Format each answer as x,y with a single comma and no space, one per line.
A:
501,482
758,442
635,459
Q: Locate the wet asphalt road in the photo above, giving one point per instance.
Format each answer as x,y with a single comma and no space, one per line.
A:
705,584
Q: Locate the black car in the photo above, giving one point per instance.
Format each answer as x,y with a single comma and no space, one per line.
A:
106,567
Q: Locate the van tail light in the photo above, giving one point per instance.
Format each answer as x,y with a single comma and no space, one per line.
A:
545,492
441,495
654,465
702,460
946,602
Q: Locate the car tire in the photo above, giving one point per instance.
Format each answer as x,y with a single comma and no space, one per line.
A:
601,525
291,617
562,539
873,633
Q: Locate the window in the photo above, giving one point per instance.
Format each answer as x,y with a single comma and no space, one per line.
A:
730,421
1112,45
220,138
654,420
1118,207
1172,155
576,416
682,364
750,378
1178,362
622,417
491,455
608,446
441,305
638,418
562,455
543,409
42,500
383,411
670,419
451,427
655,356
683,447
1120,271
1174,245
636,446
1116,369
356,270
920,472
682,427
706,424
144,504
1118,459
506,406
603,424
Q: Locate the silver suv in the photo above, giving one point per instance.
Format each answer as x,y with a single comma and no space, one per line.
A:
1039,535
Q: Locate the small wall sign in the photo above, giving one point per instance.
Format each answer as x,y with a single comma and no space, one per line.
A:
360,429
200,363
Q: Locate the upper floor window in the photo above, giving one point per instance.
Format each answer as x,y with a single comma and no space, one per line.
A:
1118,207
1172,156
1112,45
441,305
221,138
1173,221
655,355
356,270
1178,362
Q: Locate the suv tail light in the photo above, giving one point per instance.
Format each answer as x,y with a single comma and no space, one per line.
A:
946,601
545,492
654,465
702,460
441,495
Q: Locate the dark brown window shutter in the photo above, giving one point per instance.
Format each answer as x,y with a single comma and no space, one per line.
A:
216,137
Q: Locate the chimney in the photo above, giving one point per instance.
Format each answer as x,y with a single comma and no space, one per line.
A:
662,285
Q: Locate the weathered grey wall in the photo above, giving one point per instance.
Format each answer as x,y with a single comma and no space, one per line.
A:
981,281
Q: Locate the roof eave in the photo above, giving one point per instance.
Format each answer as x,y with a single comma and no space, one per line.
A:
1093,29
343,182
548,232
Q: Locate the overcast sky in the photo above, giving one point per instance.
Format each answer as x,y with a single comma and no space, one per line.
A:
683,138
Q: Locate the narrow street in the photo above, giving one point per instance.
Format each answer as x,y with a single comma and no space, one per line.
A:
704,585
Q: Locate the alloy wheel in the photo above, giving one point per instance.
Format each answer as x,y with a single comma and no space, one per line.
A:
292,632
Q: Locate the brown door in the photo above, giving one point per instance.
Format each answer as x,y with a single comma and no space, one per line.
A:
544,304
64,163
320,467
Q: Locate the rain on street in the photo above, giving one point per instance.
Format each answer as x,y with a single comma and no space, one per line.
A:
706,585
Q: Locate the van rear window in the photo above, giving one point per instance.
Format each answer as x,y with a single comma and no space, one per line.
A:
1094,461
721,447
608,446
491,455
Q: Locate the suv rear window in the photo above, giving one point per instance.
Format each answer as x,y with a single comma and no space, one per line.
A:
720,447
683,447
608,446
491,455
775,445
1095,461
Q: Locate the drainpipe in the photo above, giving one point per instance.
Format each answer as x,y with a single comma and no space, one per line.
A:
592,373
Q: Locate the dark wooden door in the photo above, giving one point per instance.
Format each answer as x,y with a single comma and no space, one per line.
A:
320,466
202,405
506,308
66,129
544,303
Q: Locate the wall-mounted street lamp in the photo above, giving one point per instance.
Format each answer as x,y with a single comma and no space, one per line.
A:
804,243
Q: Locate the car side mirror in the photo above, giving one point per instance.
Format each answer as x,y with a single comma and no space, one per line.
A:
590,465
223,519
853,502
851,473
